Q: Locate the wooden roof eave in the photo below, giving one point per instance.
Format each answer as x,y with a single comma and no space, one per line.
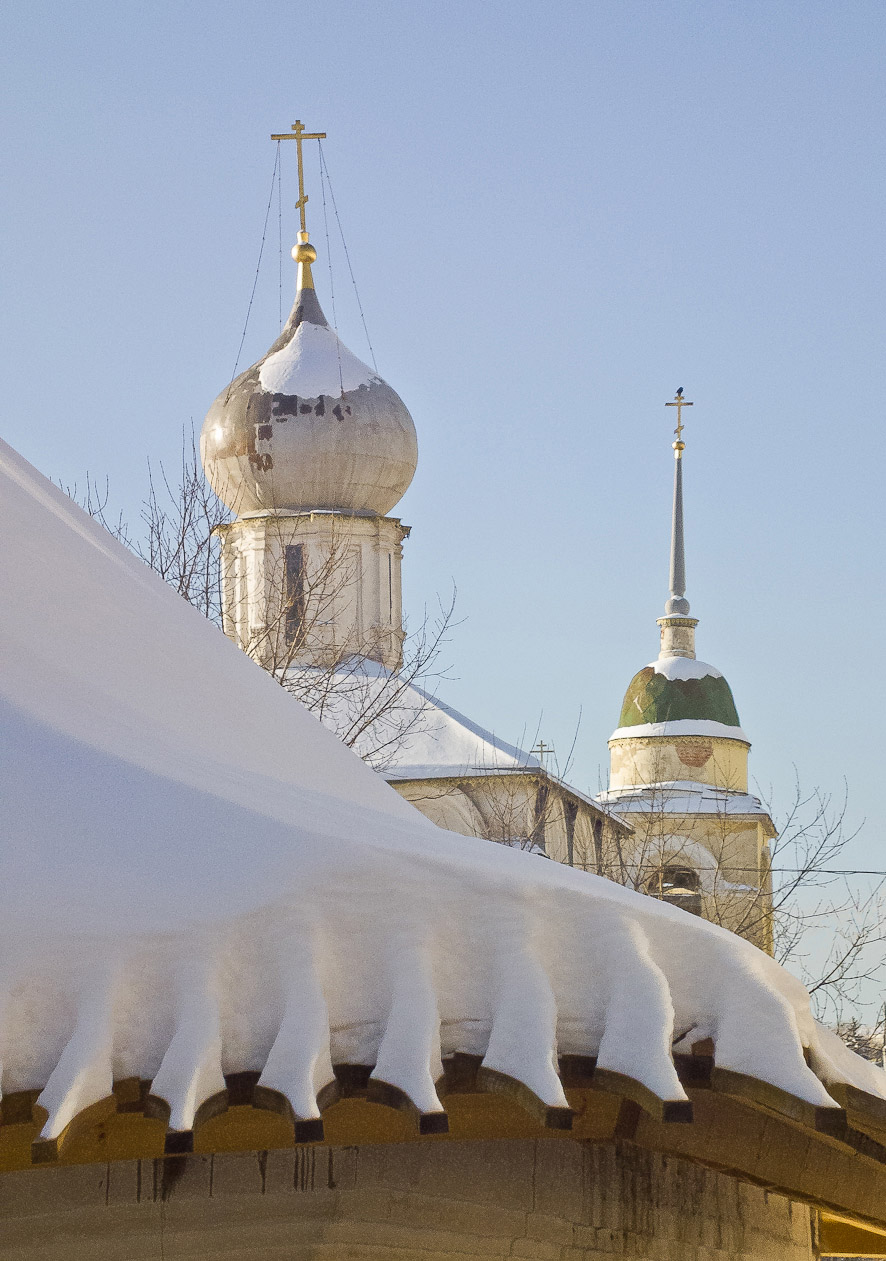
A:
830,1158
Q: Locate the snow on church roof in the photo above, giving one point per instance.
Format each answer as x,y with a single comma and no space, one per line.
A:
404,731
198,879
681,727
416,736
446,743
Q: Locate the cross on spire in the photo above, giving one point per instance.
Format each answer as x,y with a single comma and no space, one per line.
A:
679,402
298,134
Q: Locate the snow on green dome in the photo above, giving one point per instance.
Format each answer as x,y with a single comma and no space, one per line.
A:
678,689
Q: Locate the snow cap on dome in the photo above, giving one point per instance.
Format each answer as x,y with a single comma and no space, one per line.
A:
309,427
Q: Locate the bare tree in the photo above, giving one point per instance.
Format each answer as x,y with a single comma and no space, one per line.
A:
373,709
793,897
868,1041
523,807
524,804
516,807
827,925
178,519
707,861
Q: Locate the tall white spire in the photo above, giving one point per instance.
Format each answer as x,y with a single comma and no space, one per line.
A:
677,627
677,605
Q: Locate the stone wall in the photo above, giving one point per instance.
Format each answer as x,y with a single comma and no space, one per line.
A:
712,760
347,592
435,1201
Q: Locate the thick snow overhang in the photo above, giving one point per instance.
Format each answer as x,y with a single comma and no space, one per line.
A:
210,904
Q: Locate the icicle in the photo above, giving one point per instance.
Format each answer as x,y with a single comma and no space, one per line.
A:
409,1055
191,1069
523,1041
639,1018
299,1065
84,1073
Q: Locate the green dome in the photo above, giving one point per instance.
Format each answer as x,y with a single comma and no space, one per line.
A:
676,689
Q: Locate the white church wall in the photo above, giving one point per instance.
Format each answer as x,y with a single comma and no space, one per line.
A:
311,588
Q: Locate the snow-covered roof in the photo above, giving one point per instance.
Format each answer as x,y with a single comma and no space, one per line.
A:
407,733
458,748
401,729
313,364
445,743
197,879
681,797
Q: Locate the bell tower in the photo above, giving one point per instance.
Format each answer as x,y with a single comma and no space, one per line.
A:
311,449
679,770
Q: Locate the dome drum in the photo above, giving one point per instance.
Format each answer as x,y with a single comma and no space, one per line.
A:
719,761
313,588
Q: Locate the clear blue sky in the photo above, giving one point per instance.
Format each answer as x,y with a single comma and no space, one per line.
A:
557,214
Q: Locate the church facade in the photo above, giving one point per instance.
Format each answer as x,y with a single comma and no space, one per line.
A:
311,450
679,773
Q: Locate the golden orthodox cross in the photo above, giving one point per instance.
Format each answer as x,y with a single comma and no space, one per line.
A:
679,402
298,134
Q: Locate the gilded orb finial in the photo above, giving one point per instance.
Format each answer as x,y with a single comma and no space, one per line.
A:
304,252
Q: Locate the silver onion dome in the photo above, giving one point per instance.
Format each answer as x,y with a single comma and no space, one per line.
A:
309,427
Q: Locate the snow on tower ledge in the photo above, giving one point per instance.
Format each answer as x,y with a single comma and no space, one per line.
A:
199,880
